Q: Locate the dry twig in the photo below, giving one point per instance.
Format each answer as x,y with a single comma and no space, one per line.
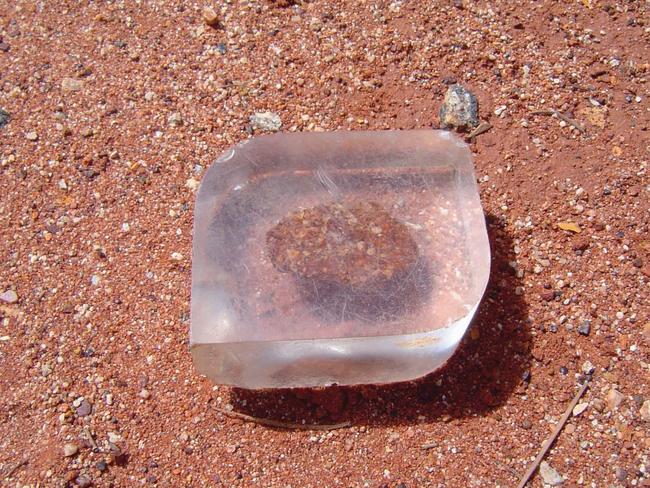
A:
482,128
556,432
16,468
283,425
572,122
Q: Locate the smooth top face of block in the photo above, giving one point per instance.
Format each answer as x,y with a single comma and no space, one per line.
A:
321,236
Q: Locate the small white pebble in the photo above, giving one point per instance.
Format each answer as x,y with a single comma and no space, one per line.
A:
114,437
192,184
579,408
587,367
126,227
70,450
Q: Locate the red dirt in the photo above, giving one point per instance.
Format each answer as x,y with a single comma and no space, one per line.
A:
103,188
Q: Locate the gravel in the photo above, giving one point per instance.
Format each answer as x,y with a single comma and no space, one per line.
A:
599,405
621,474
459,109
584,328
587,368
83,481
266,121
579,408
85,408
9,296
644,411
550,475
175,119
614,398
71,85
70,450
210,16
4,118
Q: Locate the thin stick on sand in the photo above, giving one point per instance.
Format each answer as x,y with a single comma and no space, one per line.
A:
556,432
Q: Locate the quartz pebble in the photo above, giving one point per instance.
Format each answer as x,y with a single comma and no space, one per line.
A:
268,121
587,367
70,450
9,296
71,85
579,408
550,475
114,437
614,399
192,184
175,119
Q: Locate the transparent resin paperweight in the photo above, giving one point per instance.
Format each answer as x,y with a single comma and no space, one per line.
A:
336,258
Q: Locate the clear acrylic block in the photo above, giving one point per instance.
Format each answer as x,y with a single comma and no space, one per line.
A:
336,258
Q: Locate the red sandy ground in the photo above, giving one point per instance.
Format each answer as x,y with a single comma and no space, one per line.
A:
106,155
